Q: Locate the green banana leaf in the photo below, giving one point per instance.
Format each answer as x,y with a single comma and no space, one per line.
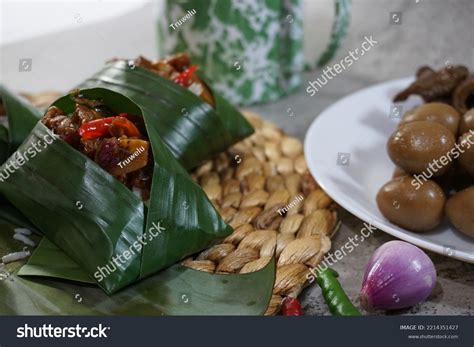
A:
4,143
191,129
80,207
174,291
22,117
9,214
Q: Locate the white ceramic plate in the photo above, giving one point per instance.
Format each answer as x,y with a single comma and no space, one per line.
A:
354,131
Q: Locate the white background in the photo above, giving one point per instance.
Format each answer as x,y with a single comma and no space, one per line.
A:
70,40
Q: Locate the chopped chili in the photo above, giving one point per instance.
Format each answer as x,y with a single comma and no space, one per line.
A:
100,127
291,307
185,77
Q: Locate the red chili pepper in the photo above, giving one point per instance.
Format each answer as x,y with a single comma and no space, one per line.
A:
98,128
291,307
95,128
184,78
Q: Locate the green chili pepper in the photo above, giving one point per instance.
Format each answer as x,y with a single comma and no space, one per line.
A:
336,299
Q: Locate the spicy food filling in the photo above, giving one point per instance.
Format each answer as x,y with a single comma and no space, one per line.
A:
178,68
117,142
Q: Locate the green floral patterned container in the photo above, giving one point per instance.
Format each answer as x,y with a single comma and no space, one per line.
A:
251,50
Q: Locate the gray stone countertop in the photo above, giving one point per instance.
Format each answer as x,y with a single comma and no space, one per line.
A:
432,32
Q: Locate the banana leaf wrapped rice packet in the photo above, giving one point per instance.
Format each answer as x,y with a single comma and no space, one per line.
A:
4,145
17,119
195,122
108,192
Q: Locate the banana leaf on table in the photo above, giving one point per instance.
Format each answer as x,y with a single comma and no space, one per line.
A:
22,117
9,214
177,290
191,128
4,143
174,291
96,220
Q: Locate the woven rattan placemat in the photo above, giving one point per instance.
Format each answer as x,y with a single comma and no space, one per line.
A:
263,189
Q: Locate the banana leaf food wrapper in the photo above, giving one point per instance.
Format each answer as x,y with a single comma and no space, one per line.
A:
3,132
17,119
195,122
3,140
96,179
